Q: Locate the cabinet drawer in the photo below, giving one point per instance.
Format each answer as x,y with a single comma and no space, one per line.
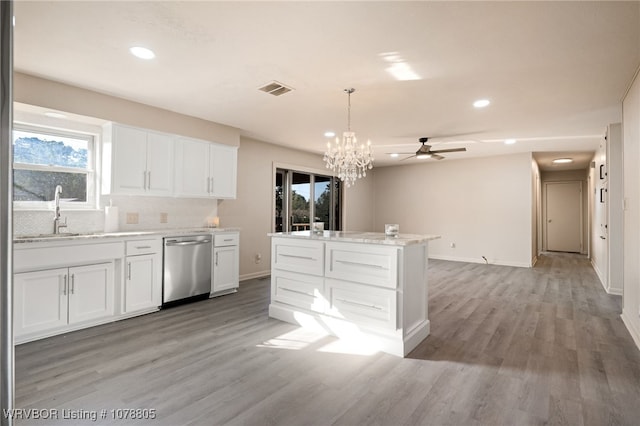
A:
143,247
302,291
306,257
361,263
363,305
221,240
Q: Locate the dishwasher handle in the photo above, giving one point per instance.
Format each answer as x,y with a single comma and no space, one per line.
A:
186,243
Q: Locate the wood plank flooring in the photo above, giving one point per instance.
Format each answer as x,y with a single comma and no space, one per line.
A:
508,346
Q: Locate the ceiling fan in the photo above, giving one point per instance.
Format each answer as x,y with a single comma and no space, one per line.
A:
425,151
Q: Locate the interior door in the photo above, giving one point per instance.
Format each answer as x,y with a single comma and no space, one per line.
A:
564,216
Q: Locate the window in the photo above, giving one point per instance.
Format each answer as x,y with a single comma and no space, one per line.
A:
302,198
44,158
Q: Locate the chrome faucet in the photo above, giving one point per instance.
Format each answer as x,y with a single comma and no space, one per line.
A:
56,217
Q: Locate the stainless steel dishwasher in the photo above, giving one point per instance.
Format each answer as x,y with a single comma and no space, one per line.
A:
187,268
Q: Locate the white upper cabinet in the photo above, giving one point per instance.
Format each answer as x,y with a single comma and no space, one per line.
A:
137,161
224,164
205,169
142,162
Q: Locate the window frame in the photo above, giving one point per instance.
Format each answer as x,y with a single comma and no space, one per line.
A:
336,202
91,172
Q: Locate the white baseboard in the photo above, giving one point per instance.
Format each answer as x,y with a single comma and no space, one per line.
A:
260,274
610,290
475,260
629,323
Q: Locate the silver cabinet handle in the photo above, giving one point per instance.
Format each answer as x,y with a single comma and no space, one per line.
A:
217,258
296,291
186,243
144,177
129,270
348,262
212,186
143,247
73,283
149,180
297,256
64,288
364,305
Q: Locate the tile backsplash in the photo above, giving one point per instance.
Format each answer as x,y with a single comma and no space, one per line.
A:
134,214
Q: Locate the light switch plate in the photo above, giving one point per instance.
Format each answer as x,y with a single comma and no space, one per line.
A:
164,217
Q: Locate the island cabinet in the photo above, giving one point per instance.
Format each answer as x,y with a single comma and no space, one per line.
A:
355,286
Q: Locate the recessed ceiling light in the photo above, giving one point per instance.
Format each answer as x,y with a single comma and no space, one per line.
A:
54,114
481,103
329,134
562,160
394,154
509,141
142,52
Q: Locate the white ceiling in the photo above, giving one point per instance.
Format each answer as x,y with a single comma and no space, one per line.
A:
555,72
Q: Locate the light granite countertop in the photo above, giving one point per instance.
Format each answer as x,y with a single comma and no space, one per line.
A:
19,239
359,237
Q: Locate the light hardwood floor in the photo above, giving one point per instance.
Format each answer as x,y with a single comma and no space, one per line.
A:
512,346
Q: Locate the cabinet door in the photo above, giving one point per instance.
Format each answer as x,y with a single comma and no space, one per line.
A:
40,301
192,168
225,268
91,291
129,160
142,284
159,164
223,171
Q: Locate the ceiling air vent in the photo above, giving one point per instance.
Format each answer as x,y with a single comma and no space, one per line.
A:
276,89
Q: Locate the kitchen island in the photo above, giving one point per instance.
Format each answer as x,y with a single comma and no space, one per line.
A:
362,286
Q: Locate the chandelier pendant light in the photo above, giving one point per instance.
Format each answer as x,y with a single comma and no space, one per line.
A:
348,160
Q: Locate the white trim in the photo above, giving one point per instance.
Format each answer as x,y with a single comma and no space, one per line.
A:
635,333
480,260
252,275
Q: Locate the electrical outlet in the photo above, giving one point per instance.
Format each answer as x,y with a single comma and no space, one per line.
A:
258,258
164,217
132,218
453,245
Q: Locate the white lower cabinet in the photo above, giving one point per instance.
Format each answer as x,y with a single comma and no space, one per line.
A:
226,258
143,266
142,289
46,300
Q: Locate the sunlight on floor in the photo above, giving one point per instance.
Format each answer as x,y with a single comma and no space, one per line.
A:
297,339
349,338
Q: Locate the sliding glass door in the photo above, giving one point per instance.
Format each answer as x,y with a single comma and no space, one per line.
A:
302,198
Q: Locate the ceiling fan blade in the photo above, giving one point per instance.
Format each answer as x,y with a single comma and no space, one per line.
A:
437,157
448,150
406,158
399,153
